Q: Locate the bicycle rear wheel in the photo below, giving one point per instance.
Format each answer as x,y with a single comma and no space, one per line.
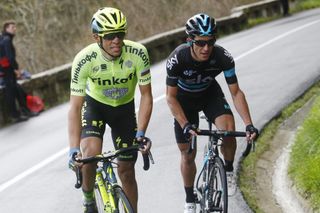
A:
217,196
122,203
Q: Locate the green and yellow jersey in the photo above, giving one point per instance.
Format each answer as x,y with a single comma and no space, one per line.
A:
111,82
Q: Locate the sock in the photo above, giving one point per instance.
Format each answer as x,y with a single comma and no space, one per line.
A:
189,195
88,197
228,165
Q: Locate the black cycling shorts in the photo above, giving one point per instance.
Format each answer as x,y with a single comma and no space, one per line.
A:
120,119
212,102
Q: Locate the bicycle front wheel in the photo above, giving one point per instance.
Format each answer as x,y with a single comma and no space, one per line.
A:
217,196
99,200
122,203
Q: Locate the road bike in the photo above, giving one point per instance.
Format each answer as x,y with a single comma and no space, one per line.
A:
109,196
211,186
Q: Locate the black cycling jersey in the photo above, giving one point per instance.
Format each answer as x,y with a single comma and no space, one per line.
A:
197,88
192,76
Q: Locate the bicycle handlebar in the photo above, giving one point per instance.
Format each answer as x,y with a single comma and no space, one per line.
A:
220,134
109,156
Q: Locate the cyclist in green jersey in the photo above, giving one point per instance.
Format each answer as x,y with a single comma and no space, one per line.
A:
103,81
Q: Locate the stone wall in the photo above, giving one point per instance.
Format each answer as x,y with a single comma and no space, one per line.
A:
53,85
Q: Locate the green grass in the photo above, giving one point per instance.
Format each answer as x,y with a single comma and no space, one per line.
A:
308,180
304,166
305,5
248,165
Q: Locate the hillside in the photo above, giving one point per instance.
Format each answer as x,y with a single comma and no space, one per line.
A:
51,32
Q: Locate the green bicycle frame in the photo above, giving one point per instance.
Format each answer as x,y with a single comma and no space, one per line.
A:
105,187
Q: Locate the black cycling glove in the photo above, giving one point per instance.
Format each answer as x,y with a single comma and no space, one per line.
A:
186,130
251,129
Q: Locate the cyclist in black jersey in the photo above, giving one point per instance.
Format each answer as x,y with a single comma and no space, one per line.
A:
191,88
103,80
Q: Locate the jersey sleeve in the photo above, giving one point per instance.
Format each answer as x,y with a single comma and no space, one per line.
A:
172,69
79,74
228,67
143,67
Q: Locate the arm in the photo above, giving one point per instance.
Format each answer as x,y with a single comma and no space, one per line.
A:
74,120
240,103
145,108
175,106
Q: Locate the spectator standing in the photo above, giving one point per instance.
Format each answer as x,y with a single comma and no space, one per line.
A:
9,70
285,7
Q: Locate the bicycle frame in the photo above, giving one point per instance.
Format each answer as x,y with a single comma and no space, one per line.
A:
109,193
212,193
105,181
211,153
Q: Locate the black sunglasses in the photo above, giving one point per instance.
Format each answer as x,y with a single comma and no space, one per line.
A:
112,36
202,43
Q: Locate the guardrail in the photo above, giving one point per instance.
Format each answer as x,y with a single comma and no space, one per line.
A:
53,85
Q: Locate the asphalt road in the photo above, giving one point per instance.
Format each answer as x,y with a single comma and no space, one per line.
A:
275,63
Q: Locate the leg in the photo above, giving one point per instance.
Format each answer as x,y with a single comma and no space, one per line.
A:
229,146
285,7
124,116
126,174
188,169
10,97
90,146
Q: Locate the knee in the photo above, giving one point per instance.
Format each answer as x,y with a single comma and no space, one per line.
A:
187,159
126,173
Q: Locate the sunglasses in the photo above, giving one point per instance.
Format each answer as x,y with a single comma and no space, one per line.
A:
112,36
202,43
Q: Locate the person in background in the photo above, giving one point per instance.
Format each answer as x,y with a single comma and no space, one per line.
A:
191,88
285,7
9,72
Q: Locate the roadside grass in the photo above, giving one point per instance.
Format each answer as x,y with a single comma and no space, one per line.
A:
247,173
304,167
305,5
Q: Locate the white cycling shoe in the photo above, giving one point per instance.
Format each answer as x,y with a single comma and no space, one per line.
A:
190,208
231,182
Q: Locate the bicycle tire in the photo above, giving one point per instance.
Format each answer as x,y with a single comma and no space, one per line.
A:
122,202
217,196
98,198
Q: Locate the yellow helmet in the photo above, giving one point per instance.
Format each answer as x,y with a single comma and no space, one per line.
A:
108,20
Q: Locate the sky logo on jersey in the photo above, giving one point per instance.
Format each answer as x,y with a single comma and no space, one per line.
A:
172,61
81,63
113,80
